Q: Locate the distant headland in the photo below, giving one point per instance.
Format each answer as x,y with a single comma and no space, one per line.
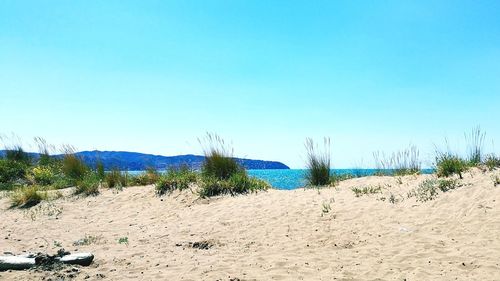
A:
135,161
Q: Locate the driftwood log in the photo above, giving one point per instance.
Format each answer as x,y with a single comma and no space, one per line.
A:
26,262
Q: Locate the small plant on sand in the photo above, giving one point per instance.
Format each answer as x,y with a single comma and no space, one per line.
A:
175,179
366,190
447,184
448,164
27,197
88,185
475,142
426,191
326,208
318,163
88,240
496,180
123,240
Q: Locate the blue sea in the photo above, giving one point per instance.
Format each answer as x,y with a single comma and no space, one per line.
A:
295,178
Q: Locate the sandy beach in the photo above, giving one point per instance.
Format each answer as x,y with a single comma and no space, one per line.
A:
303,234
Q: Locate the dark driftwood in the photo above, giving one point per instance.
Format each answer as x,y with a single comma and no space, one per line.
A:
16,263
23,262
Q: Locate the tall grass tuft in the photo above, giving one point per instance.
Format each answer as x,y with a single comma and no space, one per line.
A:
475,142
219,158
318,163
72,166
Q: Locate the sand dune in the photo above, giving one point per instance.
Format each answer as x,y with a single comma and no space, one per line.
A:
274,235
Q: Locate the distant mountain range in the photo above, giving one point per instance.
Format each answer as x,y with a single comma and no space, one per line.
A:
134,161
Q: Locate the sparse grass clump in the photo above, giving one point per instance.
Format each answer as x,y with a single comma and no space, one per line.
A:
491,162
318,163
150,176
366,190
239,183
88,185
447,184
496,180
27,197
448,164
116,179
399,163
175,179
426,191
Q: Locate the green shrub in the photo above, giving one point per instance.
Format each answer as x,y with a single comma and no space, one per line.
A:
238,183
27,197
88,185
318,163
448,164
17,154
175,179
496,180
11,171
219,161
445,185
492,162
73,167
43,175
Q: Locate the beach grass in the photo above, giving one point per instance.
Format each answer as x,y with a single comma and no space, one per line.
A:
475,143
219,158
176,178
26,197
88,185
448,164
318,163
399,163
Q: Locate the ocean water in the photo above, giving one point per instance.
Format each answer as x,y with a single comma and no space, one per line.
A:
295,178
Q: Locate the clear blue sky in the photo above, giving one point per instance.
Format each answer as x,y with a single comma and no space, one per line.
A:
152,76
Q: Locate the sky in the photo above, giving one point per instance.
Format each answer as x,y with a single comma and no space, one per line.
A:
154,76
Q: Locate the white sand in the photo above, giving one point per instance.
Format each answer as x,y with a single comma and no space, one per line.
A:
274,235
